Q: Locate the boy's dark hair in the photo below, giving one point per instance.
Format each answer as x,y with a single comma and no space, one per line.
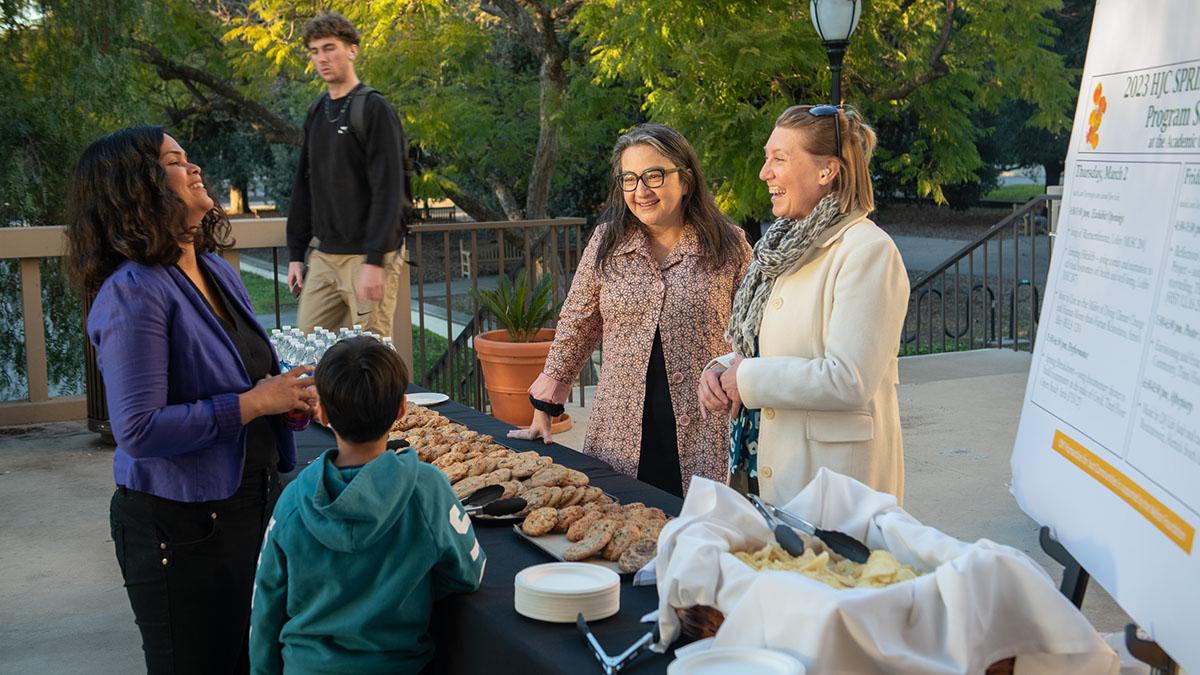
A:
331,25
361,383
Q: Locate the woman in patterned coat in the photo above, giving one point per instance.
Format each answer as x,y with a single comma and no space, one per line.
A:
655,284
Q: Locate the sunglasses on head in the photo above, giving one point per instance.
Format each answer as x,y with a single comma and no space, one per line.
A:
830,111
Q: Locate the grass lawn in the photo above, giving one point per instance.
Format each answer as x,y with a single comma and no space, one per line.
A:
1015,193
263,297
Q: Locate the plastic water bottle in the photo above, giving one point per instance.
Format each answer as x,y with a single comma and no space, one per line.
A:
297,420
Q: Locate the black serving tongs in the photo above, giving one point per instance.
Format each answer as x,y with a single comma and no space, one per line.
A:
612,664
786,536
486,501
838,542
499,507
485,494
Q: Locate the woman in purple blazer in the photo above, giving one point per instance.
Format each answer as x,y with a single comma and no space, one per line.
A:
194,394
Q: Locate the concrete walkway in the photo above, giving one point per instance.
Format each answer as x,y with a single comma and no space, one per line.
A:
64,610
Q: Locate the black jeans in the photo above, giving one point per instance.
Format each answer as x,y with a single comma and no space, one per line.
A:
189,572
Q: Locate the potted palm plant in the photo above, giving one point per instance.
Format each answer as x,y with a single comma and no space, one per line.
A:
513,356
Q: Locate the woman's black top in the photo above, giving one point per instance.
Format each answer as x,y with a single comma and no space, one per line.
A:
258,359
658,462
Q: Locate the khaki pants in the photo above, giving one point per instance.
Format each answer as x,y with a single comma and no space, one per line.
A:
328,299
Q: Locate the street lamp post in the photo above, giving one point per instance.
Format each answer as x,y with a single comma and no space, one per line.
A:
835,21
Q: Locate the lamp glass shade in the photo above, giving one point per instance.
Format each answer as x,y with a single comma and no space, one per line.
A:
835,20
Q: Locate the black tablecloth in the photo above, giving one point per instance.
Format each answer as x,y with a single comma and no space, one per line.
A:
480,632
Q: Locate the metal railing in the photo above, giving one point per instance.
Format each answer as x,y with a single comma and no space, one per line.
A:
551,247
988,293
452,371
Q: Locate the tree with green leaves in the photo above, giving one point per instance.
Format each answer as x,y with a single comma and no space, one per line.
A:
722,72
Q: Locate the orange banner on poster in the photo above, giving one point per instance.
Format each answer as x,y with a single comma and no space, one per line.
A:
1177,529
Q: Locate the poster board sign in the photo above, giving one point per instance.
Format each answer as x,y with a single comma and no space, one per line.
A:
1108,449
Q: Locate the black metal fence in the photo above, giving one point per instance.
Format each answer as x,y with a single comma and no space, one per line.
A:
987,294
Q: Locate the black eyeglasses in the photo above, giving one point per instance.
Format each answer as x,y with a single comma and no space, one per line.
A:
830,111
651,178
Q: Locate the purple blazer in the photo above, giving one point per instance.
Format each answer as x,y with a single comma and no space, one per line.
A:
173,377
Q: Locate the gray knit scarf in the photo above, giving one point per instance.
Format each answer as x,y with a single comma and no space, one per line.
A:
776,253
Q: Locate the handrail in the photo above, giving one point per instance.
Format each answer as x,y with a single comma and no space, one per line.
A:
459,376
995,300
29,244
961,253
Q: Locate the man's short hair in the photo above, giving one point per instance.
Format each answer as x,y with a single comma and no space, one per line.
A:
331,25
361,383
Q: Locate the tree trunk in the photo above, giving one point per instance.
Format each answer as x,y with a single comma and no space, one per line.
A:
1054,171
508,201
470,204
553,83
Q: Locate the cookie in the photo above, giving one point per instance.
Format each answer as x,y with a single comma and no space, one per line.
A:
636,556
567,517
622,539
540,521
535,498
511,488
447,459
578,530
455,472
587,547
576,478
555,496
568,493
592,493
554,474
528,467
467,485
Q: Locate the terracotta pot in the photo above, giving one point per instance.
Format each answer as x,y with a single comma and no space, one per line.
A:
508,370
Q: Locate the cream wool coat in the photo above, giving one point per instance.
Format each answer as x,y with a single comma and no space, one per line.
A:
826,374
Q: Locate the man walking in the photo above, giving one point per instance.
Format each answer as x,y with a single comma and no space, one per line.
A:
349,193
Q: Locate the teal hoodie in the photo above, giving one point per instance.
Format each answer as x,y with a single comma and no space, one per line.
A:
351,564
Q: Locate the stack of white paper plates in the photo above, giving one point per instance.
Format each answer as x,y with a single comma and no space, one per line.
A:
560,591
736,661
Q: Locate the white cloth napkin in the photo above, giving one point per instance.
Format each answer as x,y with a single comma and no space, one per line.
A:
976,603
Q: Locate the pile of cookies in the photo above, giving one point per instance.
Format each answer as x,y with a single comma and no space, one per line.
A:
558,499
626,534
472,460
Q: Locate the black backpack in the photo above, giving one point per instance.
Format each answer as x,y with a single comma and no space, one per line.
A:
358,105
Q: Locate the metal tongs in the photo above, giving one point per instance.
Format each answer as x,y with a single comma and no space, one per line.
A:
612,664
838,542
787,538
486,500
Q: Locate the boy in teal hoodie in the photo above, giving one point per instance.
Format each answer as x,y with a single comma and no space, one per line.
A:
363,541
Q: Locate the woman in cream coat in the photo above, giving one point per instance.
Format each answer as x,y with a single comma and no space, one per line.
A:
816,322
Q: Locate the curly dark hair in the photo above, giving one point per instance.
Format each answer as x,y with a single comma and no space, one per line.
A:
717,234
122,209
330,25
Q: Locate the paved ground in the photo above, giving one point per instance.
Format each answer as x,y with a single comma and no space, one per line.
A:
64,610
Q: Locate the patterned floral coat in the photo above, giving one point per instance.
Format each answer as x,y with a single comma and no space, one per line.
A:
689,305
